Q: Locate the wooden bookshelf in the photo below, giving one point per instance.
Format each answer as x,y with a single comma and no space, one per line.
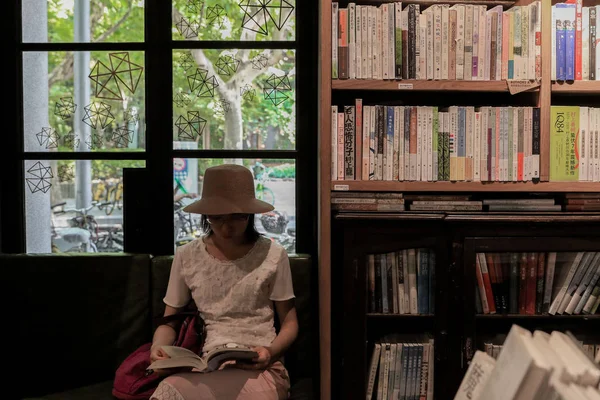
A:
420,85
391,186
387,225
577,87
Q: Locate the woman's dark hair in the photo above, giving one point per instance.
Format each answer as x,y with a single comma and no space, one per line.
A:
251,232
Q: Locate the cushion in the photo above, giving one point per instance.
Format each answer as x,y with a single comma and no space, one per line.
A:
86,313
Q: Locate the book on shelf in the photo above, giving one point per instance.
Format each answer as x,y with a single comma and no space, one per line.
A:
437,42
402,282
538,283
428,143
575,144
536,365
400,369
575,54
590,349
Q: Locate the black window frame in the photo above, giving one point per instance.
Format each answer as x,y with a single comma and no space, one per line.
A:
158,47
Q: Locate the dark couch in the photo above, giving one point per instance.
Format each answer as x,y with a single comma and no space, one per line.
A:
86,313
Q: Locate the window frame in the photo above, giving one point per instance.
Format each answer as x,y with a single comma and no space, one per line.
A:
158,47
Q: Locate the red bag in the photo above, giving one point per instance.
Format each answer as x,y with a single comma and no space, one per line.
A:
132,382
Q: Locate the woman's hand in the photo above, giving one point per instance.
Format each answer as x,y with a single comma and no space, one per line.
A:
262,361
157,353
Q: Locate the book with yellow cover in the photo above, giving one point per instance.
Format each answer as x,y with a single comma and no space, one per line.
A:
564,154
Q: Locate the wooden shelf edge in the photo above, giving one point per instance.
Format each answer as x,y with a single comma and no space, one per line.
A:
402,215
515,217
399,316
392,186
576,87
420,85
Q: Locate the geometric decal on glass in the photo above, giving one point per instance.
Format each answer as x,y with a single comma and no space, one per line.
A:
275,89
95,141
187,28
247,92
122,136
227,65
122,72
182,100
216,14
258,12
65,108
48,138
66,173
222,107
186,61
200,81
98,113
38,178
194,7
191,127
71,141
131,115
260,61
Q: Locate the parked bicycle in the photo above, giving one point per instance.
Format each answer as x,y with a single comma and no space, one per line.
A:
261,176
108,193
80,234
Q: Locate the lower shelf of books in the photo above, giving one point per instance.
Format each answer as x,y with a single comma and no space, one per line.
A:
401,367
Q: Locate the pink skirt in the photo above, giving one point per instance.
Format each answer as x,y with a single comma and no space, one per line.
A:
226,384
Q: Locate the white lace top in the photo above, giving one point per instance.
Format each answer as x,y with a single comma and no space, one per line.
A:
235,298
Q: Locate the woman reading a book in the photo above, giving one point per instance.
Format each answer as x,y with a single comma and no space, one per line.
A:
238,279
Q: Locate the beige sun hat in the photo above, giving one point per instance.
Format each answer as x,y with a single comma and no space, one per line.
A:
228,189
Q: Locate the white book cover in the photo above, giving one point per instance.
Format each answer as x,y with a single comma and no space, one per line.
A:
583,285
481,62
422,44
515,148
483,169
504,123
396,156
524,42
398,39
479,371
418,41
591,137
364,46
477,148
498,9
385,32
533,25
527,147
563,280
371,37
475,62
429,43
400,125
429,146
420,119
538,41
597,43
488,46
397,371
358,40
375,356
334,40
460,40
366,142
434,52
445,40
588,291
553,37
352,40
389,133
469,133
391,42
468,62
597,145
583,143
585,44
377,51
410,160
334,140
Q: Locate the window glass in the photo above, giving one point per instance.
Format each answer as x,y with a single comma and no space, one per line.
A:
75,206
274,181
84,101
235,99
106,21
252,20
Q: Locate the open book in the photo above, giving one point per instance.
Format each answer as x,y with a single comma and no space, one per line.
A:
182,357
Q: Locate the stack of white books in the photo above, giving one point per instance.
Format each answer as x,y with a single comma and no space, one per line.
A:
538,366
